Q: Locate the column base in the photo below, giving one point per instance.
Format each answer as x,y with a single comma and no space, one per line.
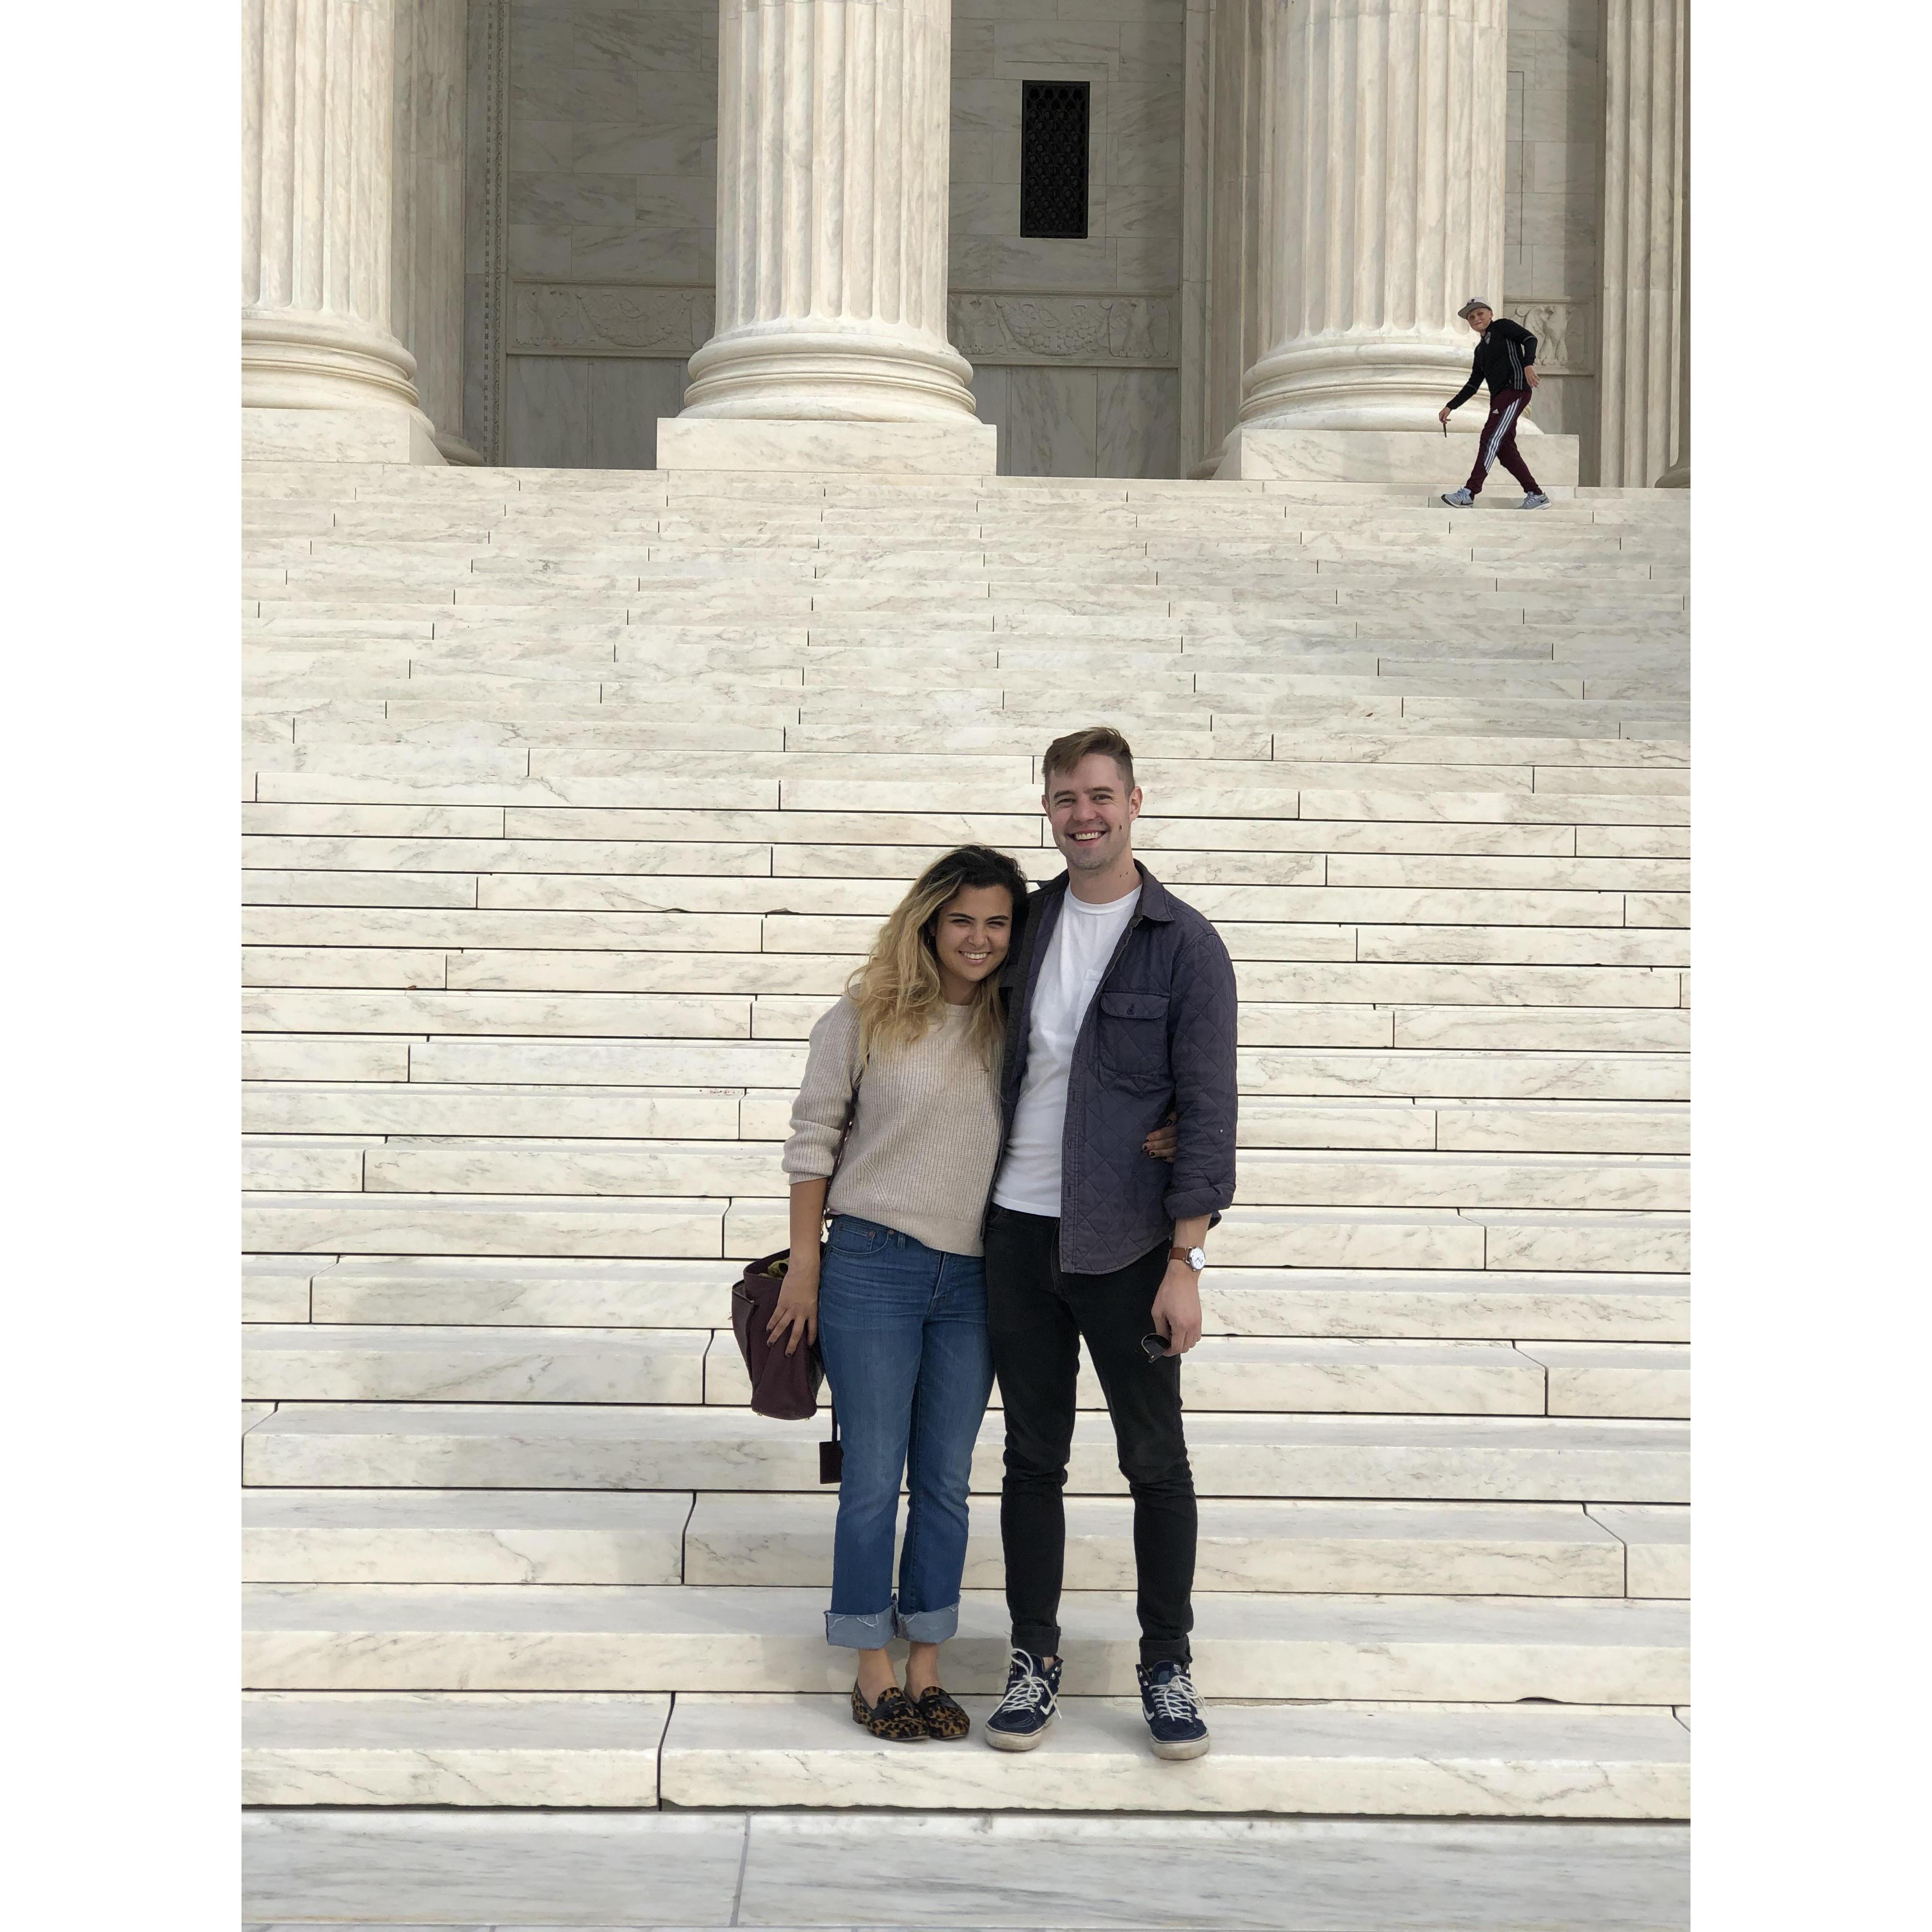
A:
962,449
336,435
1277,452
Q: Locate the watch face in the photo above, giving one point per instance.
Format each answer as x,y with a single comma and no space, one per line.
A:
1197,1258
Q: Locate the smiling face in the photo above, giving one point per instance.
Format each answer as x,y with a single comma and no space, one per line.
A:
1092,812
971,933
1479,319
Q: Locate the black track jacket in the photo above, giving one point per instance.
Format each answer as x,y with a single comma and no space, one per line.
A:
1505,350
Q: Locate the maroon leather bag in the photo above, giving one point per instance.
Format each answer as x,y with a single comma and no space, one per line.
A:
783,1388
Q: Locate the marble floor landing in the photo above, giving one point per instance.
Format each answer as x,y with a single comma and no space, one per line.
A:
963,1872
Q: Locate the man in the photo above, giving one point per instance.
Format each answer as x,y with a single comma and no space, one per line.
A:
1120,1012
1505,358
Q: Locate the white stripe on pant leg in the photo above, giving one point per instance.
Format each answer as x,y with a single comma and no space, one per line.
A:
1507,417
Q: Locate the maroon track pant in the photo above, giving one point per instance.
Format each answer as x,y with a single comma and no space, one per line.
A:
1498,440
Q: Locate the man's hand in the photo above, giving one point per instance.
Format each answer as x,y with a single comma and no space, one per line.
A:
1529,375
1442,414
1177,1308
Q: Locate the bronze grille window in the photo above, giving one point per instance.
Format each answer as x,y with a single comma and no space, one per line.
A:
1053,158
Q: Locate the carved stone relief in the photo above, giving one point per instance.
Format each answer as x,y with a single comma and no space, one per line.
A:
1137,330
573,319
1562,332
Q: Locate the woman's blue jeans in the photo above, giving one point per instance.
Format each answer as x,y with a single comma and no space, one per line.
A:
903,1329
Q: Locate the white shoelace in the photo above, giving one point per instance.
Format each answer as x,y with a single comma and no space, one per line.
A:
1027,1692
1175,1700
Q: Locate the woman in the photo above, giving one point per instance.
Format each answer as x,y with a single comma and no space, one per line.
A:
898,1300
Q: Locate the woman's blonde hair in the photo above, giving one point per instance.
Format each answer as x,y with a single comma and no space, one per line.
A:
898,989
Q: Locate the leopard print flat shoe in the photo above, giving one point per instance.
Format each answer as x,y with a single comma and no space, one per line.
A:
941,1717
892,1717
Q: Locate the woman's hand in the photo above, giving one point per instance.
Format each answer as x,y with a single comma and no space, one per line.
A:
796,1316
1162,1141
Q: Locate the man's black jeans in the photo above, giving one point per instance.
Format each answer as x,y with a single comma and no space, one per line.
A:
1037,1316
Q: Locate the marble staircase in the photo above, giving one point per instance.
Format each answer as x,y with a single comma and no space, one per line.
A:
572,797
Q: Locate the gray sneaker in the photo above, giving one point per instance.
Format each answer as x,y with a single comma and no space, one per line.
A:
1536,500
1458,500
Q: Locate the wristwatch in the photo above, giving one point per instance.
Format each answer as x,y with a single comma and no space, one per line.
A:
1195,1258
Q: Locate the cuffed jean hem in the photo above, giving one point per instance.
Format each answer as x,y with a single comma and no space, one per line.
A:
844,1631
929,1626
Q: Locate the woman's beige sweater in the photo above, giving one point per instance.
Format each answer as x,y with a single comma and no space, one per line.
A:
925,1130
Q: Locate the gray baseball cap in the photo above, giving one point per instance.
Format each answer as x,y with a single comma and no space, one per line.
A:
1473,303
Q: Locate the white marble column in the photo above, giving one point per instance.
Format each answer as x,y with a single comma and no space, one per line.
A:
322,373
1642,365
426,240
1383,208
833,136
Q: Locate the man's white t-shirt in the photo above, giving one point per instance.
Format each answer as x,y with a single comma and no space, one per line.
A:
1076,957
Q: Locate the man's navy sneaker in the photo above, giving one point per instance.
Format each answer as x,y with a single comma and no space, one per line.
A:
1172,1711
1029,1707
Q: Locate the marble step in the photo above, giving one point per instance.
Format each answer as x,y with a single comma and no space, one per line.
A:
749,842
379,1110
679,869
1235,1373
1451,1304
1614,1379
1656,1538
318,1362
1435,1549
604,1752
475,577
667,783
788,1868
472,1536
1415,1759
519,1750
689,654
1265,1177
1010,772
490,971
697,1227
1490,1239
450,1445
696,1637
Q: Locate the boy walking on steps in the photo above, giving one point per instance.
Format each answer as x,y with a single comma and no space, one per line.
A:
1119,1012
1505,358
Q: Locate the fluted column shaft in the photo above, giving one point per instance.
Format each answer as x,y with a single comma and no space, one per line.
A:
1383,174
1642,372
316,181
833,133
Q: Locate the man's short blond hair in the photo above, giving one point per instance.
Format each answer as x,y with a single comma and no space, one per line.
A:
1063,753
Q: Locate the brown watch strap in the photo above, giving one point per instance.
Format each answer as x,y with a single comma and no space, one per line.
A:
1181,1255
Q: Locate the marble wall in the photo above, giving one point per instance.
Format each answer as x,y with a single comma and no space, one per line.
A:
1075,344
593,243
1554,154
